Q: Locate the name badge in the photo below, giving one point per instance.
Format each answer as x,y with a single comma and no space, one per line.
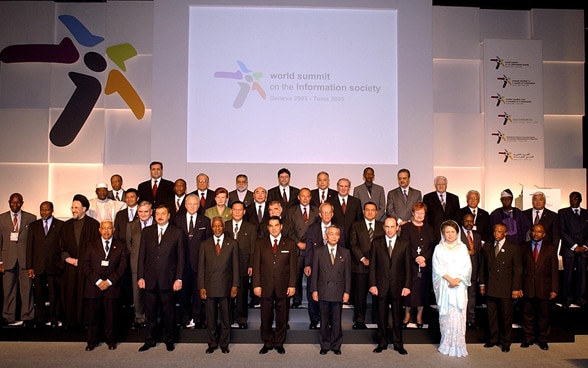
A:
104,263
14,236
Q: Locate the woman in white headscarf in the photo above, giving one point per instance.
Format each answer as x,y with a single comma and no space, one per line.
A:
452,268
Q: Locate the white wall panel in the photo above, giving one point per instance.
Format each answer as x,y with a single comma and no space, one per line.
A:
505,24
24,135
458,140
564,88
563,141
456,33
560,30
456,86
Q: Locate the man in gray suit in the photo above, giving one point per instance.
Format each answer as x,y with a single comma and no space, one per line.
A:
371,192
14,226
330,288
401,199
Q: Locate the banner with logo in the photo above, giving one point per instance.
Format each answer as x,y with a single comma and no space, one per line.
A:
513,116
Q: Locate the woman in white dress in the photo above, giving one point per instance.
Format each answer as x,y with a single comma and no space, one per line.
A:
451,277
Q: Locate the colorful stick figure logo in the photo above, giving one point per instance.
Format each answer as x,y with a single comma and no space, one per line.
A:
88,88
247,81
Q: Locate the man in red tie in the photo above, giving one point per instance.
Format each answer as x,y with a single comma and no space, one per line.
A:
156,190
473,240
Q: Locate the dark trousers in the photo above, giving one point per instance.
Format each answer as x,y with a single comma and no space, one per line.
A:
297,298
471,308
500,315
240,306
536,313
359,283
577,295
213,305
46,290
314,312
330,333
389,319
101,312
276,337
156,300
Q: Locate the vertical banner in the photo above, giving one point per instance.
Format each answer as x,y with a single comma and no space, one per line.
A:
513,116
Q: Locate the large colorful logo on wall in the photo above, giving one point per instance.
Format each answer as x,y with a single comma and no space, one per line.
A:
247,80
88,88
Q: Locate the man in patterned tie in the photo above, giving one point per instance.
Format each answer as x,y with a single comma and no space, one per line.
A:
473,240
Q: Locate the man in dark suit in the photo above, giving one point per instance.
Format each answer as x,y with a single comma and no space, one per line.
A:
117,193
574,250
402,198
390,278
14,226
301,217
275,208
176,203
161,268
196,228
133,240
473,240
218,279
500,280
205,194
246,235
316,238
126,215
369,191
331,288
538,214
258,212
363,233
441,206
346,209
43,265
275,265
105,264
540,286
481,217
241,192
286,194
156,190
322,193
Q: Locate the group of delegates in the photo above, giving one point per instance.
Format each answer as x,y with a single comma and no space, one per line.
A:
217,253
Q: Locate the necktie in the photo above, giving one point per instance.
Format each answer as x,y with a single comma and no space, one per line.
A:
117,196
131,214
474,213
15,223
442,201
177,205
577,211
390,248
202,200
106,247
191,228
405,195
217,246
275,247
535,253
323,197
284,197
537,217
369,190
154,189
305,215
343,206
46,227
496,248
332,255
144,224
471,242
371,232
236,231
259,214
160,235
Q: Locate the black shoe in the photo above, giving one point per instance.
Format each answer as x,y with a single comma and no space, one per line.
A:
544,346
280,350
379,349
295,305
359,326
169,346
225,350
265,349
336,351
526,343
401,350
90,347
210,350
112,346
419,325
242,326
323,352
313,326
505,349
146,346
404,325
489,345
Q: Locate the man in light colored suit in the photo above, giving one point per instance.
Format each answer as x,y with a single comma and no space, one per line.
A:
401,199
14,225
371,192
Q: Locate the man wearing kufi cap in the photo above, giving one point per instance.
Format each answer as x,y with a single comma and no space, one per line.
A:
517,225
102,208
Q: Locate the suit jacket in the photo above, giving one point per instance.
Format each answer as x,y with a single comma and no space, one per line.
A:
234,197
209,199
275,273
165,189
288,229
110,195
121,220
13,251
395,206
315,239
133,241
476,258
542,277
574,230
170,203
295,215
246,237
550,222
352,214
275,194
390,274
361,244
202,230
481,222
314,196
94,270
522,224
377,196
331,280
43,250
218,273
435,213
160,265
503,273
251,217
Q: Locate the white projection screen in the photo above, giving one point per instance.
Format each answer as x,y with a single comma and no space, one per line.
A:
292,76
